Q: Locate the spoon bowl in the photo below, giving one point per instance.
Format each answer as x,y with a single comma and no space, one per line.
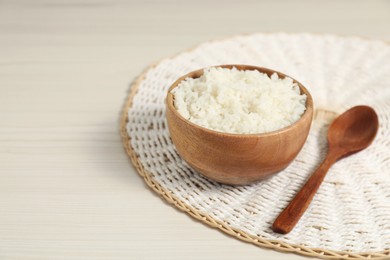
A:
354,130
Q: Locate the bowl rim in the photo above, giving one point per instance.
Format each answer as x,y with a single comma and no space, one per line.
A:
169,100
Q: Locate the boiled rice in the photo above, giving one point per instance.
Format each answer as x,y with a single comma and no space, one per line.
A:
239,101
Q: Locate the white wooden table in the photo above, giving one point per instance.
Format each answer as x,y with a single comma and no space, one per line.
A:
67,188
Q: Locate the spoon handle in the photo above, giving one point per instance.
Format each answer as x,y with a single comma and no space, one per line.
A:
290,216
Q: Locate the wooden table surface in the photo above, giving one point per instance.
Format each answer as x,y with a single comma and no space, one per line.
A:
67,188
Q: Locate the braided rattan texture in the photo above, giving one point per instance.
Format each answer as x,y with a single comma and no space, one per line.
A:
349,217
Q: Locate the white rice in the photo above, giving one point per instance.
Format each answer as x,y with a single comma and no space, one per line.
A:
241,102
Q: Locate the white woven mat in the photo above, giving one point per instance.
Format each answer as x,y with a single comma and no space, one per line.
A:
351,211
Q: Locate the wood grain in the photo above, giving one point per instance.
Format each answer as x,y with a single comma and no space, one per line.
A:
67,188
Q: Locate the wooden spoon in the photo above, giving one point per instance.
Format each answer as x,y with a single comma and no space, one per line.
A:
351,132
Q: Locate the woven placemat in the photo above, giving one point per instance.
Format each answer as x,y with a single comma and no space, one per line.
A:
349,217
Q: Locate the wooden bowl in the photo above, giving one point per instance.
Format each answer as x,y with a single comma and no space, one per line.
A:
237,158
